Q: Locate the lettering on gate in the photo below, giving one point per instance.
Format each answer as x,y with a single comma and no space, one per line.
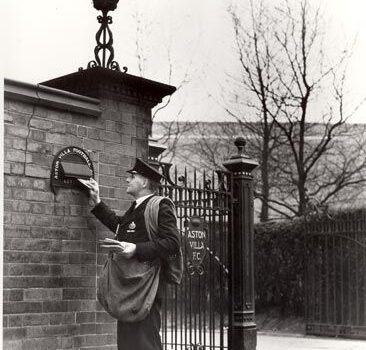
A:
197,243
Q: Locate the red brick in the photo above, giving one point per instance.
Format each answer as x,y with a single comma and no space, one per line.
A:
36,319
72,246
14,333
13,345
95,145
24,182
76,221
46,331
93,133
55,258
18,219
57,139
127,140
41,124
37,171
29,269
103,317
20,107
12,295
87,328
108,158
77,141
79,293
95,340
72,129
111,181
106,328
19,193
58,221
15,320
33,245
37,135
59,127
7,168
107,169
62,318
22,307
113,147
40,147
77,210
16,168
85,317
82,131
19,144
56,232
58,114
22,257
40,344
14,156
8,118
15,130
25,282
75,270
43,294
40,184
39,196
38,220
65,342
37,232
56,270
12,231
55,306
110,136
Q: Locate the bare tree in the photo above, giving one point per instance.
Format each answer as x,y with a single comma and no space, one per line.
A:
255,83
303,76
170,131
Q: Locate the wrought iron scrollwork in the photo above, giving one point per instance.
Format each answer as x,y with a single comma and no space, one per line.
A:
194,269
104,39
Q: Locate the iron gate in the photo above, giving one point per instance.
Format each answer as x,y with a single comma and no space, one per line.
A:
336,275
195,313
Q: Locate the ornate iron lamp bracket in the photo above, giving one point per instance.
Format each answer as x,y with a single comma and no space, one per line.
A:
104,37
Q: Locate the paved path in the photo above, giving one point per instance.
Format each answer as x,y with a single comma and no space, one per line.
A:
290,342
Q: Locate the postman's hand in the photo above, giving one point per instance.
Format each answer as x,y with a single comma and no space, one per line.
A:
125,249
93,187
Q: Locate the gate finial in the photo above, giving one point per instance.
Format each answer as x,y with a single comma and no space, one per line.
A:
240,145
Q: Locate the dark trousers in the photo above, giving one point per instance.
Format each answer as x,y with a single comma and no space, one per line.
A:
142,335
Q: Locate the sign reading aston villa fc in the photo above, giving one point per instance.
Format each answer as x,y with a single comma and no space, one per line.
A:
197,242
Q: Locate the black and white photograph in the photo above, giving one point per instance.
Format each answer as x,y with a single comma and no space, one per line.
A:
183,175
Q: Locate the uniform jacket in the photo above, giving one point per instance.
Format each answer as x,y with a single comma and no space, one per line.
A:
132,229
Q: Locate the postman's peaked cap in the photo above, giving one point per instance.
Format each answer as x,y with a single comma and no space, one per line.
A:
145,170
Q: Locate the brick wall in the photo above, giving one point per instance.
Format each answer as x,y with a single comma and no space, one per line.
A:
51,258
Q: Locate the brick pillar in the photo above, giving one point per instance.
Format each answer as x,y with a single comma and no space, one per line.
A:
51,256
242,327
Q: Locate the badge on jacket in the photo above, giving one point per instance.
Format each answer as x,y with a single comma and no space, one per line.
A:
131,227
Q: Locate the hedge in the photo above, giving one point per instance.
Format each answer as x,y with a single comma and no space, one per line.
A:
279,266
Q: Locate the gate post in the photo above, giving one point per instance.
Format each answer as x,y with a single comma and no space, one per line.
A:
242,327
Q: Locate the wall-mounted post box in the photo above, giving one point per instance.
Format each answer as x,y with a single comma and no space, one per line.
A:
70,164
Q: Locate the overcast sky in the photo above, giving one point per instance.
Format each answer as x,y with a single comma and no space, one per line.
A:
44,39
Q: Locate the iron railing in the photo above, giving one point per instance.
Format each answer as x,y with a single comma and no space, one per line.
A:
336,275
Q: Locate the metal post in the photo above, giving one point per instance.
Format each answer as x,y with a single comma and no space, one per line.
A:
242,327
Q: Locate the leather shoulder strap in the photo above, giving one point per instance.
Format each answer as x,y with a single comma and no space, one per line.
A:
151,215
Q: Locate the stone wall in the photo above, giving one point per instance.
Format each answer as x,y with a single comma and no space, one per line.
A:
51,256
